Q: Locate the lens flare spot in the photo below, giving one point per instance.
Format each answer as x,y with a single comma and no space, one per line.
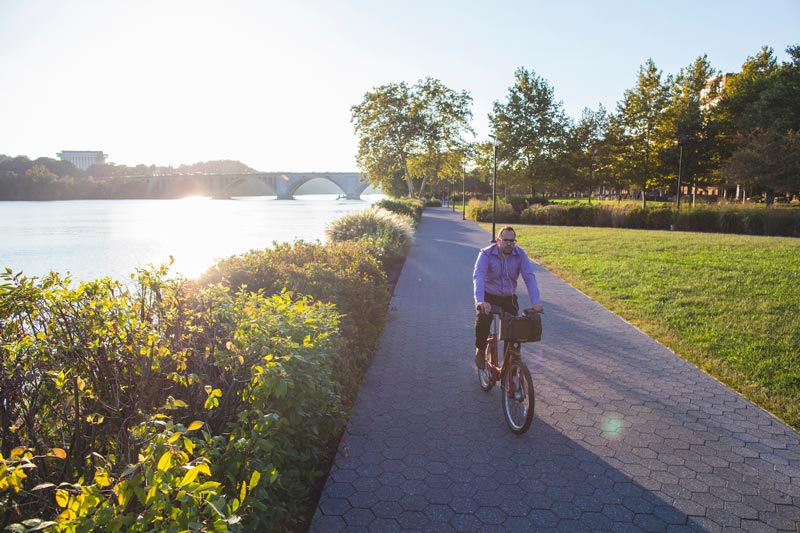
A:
613,426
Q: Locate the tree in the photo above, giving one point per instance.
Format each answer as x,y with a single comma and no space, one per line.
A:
642,113
586,150
760,113
768,160
409,131
445,117
530,128
688,123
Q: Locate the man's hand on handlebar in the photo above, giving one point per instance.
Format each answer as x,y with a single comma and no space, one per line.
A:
484,307
537,308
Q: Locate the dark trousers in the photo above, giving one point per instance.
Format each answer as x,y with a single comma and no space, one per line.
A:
484,321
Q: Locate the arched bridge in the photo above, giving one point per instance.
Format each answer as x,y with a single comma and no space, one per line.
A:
282,184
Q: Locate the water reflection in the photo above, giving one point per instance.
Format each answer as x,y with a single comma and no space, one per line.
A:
96,238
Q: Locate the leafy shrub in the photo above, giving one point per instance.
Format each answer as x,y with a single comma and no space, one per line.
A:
261,375
636,218
659,218
603,216
697,219
783,222
753,221
404,206
433,202
518,203
482,211
343,273
389,235
731,222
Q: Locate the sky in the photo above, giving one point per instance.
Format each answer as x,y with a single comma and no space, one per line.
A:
271,83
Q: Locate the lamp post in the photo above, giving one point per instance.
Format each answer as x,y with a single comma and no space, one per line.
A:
681,140
463,194
494,186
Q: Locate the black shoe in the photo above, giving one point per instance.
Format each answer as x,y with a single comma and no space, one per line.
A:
480,359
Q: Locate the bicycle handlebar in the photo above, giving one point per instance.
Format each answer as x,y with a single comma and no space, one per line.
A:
497,310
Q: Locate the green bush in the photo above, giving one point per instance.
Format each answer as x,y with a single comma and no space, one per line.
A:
388,234
177,402
753,221
403,206
697,219
636,218
482,211
433,202
731,222
660,218
518,203
343,273
782,222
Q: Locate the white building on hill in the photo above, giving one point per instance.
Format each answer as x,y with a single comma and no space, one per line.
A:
82,160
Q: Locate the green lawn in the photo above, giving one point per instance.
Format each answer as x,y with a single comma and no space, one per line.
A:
730,304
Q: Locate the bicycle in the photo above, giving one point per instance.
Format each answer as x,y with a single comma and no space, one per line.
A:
517,396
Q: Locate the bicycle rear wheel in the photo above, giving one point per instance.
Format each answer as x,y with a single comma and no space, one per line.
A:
517,396
485,378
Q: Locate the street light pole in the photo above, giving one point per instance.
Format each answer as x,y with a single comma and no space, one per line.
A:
494,187
463,194
680,163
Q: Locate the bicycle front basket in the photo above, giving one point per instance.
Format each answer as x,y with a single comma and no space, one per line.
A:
521,328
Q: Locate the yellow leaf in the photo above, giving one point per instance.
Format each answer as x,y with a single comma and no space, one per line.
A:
62,498
123,495
190,476
17,452
60,453
101,478
195,425
80,382
165,462
242,492
254,477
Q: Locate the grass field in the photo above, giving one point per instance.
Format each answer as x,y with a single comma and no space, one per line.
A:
730,304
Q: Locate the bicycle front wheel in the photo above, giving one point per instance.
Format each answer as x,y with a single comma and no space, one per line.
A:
517,396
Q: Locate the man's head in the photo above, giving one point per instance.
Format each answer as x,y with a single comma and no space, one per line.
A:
506,239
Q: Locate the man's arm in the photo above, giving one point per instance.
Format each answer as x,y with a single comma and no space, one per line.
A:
526,269
479,277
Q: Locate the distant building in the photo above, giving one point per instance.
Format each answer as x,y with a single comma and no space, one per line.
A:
712,94
83,160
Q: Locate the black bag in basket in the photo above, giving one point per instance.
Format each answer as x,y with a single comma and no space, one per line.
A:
521,328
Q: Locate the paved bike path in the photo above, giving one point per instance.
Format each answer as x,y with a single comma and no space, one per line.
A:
626,435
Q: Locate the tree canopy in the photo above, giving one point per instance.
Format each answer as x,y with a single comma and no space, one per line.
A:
410,132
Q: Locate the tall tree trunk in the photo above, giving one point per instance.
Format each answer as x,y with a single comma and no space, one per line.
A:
422,186
408,180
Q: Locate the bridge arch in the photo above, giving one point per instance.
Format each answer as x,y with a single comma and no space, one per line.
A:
283,185
352,184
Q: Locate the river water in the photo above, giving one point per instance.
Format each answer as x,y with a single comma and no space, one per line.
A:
96,238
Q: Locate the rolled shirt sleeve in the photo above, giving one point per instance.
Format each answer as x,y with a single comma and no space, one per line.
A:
479,276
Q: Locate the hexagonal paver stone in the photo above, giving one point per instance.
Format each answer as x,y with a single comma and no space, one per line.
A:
363,500
439,513
359,517
387,509
335,506
412,520
466,523
324,524
490,515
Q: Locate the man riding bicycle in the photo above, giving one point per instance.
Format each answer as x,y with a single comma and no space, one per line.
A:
494,282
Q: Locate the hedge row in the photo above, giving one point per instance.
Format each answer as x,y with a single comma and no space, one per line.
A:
176,405
756,221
